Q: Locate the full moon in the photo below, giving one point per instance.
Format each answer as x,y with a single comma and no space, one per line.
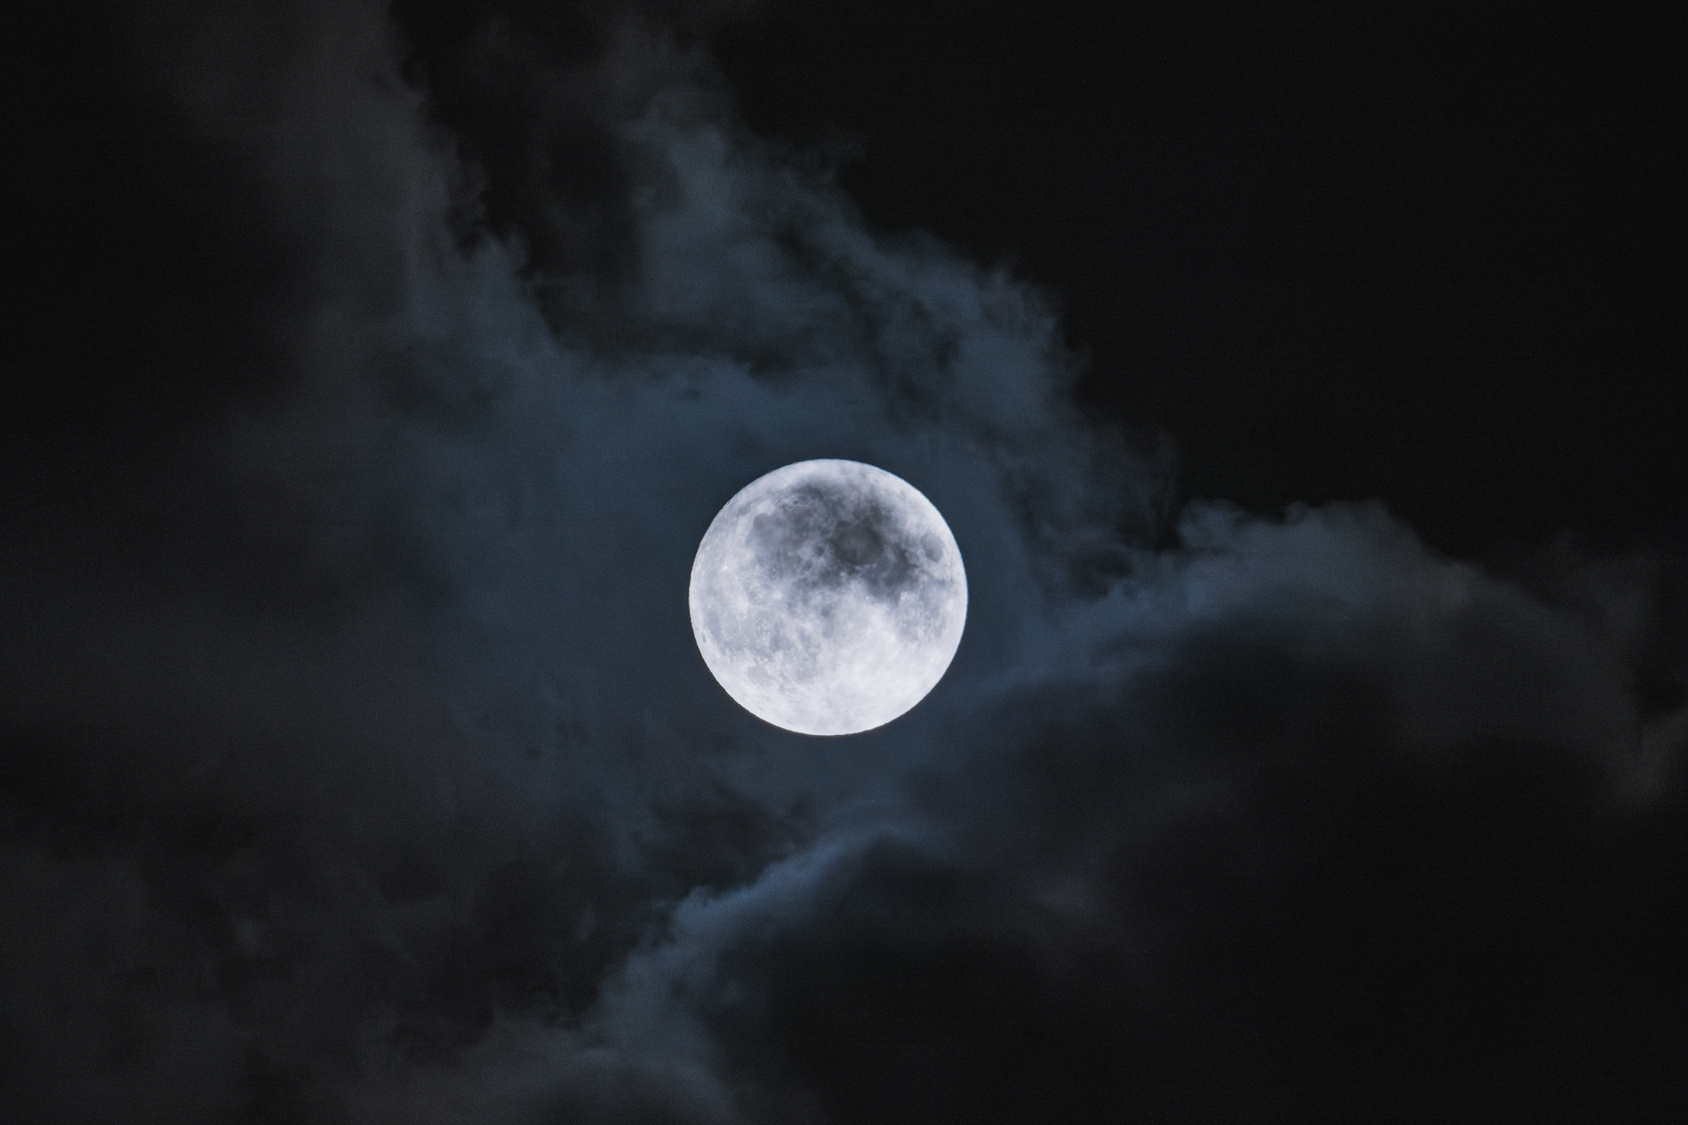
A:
828,597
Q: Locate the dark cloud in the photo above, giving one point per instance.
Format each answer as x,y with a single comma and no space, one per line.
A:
359,766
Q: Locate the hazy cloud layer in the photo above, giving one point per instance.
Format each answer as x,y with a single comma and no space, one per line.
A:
359,765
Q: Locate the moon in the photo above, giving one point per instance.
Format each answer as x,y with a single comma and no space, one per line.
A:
828,597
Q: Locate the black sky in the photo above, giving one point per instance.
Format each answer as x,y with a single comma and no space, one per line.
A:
1297,383
1422,252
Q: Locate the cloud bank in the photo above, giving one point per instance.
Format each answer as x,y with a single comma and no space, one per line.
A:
359,765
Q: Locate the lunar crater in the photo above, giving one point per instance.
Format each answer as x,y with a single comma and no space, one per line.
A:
831,537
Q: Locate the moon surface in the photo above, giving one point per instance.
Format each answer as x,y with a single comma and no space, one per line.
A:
828,597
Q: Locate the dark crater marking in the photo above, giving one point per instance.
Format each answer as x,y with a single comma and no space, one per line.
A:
824,536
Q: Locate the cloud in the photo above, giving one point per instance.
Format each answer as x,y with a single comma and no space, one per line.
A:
360,766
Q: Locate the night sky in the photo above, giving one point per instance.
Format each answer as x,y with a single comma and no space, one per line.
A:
1297,383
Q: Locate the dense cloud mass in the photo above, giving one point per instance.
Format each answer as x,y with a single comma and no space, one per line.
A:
359,765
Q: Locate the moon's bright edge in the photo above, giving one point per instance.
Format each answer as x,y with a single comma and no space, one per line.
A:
828,597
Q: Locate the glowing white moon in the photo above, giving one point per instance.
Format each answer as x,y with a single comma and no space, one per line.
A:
828,597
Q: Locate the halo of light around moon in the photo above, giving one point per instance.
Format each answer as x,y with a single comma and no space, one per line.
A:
828,597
